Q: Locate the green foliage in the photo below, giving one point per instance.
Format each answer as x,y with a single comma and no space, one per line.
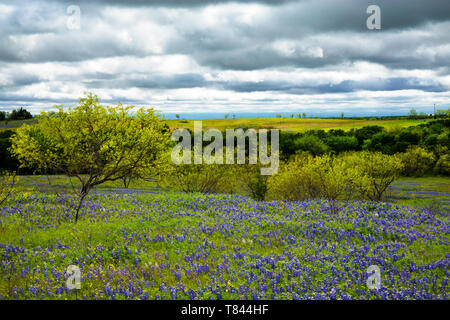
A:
416,161
357,175
443,165
374,173
20,114
8,162
203,178
251,181
340,143
308,177
7,184
93,143
382,141
312,144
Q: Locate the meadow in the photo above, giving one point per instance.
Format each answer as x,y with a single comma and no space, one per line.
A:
148,243
295,124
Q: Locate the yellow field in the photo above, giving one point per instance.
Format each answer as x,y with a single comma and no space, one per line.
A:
292,124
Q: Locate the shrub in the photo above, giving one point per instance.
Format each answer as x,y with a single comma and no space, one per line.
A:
416,161
252,181
308,177
21,114
290,181
443,165
339,143
7,183
375,172
312,144
203,178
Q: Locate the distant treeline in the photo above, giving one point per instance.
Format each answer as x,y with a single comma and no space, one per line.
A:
427,141
19,114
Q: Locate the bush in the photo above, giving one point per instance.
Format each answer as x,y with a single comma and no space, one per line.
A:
341,143
308,177
21,114
375,173
382,141
416,161
312,144
293,181
7,183
252,181
443,165
203,178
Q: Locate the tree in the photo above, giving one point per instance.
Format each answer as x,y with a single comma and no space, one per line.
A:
342,115
376,172
416,161
21,114
311,143
8,162
203,178
93,143
177,116
252,181
304,115
2,115
412,113
7,182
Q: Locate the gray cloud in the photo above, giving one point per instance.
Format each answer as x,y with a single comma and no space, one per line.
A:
120,43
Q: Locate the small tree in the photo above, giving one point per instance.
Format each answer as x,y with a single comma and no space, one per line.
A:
412,113
7,183
177,116
93,143
252,181
416,161
376,172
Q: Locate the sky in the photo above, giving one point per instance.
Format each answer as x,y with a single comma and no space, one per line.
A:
238,57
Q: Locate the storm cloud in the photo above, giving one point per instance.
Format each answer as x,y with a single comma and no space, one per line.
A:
221,56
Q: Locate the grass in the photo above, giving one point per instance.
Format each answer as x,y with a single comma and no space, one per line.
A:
292,124
422,192
286,124
144,244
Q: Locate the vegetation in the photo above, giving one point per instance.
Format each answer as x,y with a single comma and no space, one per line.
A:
93,143
7,184
132,245
222,231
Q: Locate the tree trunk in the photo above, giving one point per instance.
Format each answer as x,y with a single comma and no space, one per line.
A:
83,194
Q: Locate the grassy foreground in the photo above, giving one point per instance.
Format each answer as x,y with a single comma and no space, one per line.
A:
145,245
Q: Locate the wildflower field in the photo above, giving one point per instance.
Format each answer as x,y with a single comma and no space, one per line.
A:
139,244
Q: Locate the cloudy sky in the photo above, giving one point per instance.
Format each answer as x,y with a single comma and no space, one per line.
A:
193,56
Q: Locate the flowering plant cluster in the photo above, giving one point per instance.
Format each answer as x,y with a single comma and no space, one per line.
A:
194,246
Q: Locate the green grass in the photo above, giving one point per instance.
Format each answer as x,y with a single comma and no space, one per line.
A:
170,245
285,124
292,124
433,191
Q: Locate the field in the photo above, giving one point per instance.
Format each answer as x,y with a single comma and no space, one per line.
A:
285,124
292,124
147,243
